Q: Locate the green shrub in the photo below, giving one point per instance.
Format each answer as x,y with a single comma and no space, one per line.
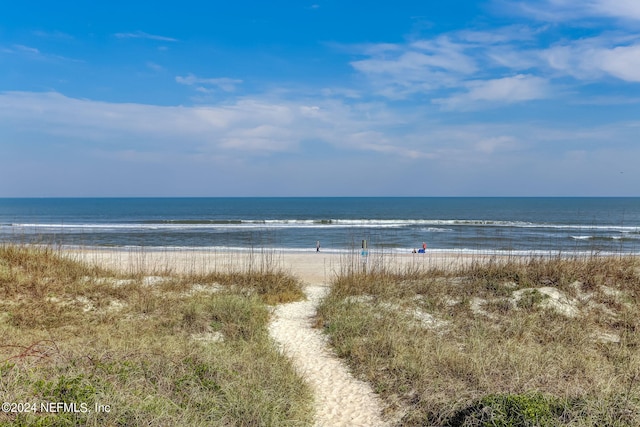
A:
511,410
529,299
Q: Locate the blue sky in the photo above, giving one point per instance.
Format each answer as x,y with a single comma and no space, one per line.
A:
320,98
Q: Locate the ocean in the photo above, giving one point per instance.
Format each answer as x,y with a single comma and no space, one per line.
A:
397,225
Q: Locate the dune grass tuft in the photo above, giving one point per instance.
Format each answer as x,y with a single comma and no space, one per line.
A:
145,350
517,341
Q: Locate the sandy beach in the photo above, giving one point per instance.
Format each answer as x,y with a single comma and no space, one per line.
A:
310,267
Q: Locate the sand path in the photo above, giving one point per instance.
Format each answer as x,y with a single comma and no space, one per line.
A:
341,400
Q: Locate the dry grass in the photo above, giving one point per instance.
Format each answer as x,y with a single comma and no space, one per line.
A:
158,350
520,341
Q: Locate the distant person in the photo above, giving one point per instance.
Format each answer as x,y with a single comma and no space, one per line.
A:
424,246
318,246
414,251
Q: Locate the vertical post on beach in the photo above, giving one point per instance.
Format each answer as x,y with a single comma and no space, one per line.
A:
364,254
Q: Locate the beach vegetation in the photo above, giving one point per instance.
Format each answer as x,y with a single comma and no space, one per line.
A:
107,347
493,341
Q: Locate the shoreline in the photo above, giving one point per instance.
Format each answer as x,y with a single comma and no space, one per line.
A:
336,251
310,267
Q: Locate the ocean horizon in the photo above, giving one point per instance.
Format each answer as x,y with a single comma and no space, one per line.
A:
539,225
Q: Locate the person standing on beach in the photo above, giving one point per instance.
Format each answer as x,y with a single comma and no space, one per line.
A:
424,246
318,246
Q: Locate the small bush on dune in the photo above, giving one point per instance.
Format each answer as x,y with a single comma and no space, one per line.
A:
272,286
511,410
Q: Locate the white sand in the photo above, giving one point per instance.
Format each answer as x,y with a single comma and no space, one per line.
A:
341,400
310,267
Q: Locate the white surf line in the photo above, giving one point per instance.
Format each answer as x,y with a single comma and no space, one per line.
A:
341,400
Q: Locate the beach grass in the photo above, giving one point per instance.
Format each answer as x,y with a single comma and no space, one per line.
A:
513,341
105,347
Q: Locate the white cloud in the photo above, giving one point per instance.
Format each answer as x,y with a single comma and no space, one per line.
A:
445,54
590,59
33,53
509,89
498,35
143,35
259,137
622,62
247,126
626,9
155,67
509,64
341,92
53,35
492,144
262,140
223,83
480,63
504,90
571,10
253,126
27,49
243,129
420,66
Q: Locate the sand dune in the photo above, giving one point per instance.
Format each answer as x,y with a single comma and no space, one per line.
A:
341,400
